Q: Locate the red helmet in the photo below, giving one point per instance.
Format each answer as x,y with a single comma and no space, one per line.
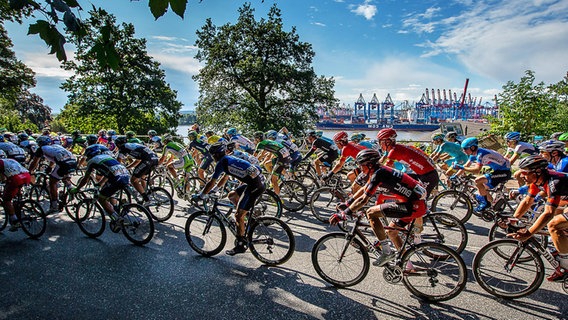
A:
388,133
341,135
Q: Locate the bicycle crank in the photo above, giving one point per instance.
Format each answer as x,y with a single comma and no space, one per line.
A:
392,274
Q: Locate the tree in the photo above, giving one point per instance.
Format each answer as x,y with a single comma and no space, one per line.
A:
560,94
258,76
135,95
30,108
15,76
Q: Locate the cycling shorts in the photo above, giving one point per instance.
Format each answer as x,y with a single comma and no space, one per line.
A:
497,177
14,184
206,162
404,212
429,180
328,158
248,194
144,167
63,169
112,186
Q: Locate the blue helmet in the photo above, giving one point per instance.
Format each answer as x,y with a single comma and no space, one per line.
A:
469,142
43,141
513,136
92,151
232,131
271,134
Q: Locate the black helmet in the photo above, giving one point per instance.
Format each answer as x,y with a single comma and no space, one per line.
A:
367,156
451,135
75,133
533,163
312,133
259,135
231,146
91,139
43,141
93,151
120,141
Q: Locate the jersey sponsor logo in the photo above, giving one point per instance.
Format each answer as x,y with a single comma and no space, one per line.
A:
403,190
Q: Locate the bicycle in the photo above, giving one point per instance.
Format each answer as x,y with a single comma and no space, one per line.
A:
269,239
137,225
30,215
342,259
160,204
511,269
185,185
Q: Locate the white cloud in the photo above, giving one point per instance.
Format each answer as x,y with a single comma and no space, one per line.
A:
184,64
45,65
318,24
366,10
167,38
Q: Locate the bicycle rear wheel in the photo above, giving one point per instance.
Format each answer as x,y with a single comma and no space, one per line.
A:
205,233
90,217
268,204
271,240
445,229
340,262
32,219
293,194
454,202
499,271
138,226
162,181
161,204
323,201
430,278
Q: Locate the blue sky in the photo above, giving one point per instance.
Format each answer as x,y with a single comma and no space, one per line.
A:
369,47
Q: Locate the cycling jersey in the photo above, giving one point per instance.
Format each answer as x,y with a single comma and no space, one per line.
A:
522,147
11,167
366,144
282,154
108,167
134,140
214,138
137,151
55,153
351,150
454,150
492,159
555,186
324,145
200,146
392,181
243,170
29,146
80,141
16,177
175,148
13,151
562,165
243,143
245,156
415,159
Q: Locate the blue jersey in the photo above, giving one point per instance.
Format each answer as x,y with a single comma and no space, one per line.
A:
108,167
200,145
243,170
562,165
453,149
491,159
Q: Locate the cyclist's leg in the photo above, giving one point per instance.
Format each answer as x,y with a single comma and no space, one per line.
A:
558,229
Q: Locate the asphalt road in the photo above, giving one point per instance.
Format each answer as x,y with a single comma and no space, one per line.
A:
65,275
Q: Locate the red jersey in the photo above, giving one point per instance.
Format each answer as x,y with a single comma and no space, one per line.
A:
351,150
414,158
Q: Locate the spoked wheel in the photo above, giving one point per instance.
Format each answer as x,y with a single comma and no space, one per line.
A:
453,202
138,226
271,240
32,219
445,229
90,217
498,269
40,194
323,202
161,205
293,194
205,233
340,262
162,181
497,233
268,204
3,218
431,278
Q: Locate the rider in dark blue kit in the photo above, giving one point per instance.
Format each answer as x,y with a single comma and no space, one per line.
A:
244,196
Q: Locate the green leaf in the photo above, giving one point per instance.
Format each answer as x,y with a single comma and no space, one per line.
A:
38,27
178,6
72,3
112,57
158,7
51,36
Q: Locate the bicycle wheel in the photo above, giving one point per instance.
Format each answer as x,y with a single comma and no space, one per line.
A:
138,226
162,181
455,202
309,182
271,240
90,217
508,277
32,219
323,201
193,185
205,233
161,205
293,194
268,204
3,218
340,262
497,233
430,278
445,229
40,194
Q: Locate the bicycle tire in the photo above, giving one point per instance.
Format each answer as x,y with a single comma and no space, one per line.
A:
488,265
162,182
32,219
90,218
322,203
429,273
40,194
271,241
138,226
455,202
268,204
309,182
162,204
331,267
3,218
193,185
205,233
449,231
497,233
293,194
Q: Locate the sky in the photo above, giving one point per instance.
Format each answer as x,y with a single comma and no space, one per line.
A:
396,47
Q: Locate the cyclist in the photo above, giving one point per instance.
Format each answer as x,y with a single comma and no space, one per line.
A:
12,150
410,201
16,176
555,184
452,136
131,137
65,163
29,145
212,137
295,155
203,148
115,174
175,157
145,161
553,151
448,152
241,141
102,137
244,196
111,134
348,149
515,148
499,166
273,156
155,141
330,152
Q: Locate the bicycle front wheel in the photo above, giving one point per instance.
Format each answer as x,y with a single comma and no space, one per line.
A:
341,262
205,233
161,205
430,278
455,202
294,195
90,217
138,226
32,219
268,204
323,201
498,269
497,233
445,229
271,240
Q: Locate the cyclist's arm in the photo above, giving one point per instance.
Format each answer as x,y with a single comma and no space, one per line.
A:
84,179
524,206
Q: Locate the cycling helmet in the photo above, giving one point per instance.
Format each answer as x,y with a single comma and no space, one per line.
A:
469,142
102,132
120,141
356,137
437,136
43,141
555,135
368,156
93,150
152,133
259,135
388,133
451,135
111,132
362,135
232,131
513,136
312,133
75,133
552,145
319,133
167,138
191,135
217,149
563,137
340,136
533,162
271,134
130,134
23,136
231,146
2,154
91,139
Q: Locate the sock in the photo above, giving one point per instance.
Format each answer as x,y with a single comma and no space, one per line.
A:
386,246
563,260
